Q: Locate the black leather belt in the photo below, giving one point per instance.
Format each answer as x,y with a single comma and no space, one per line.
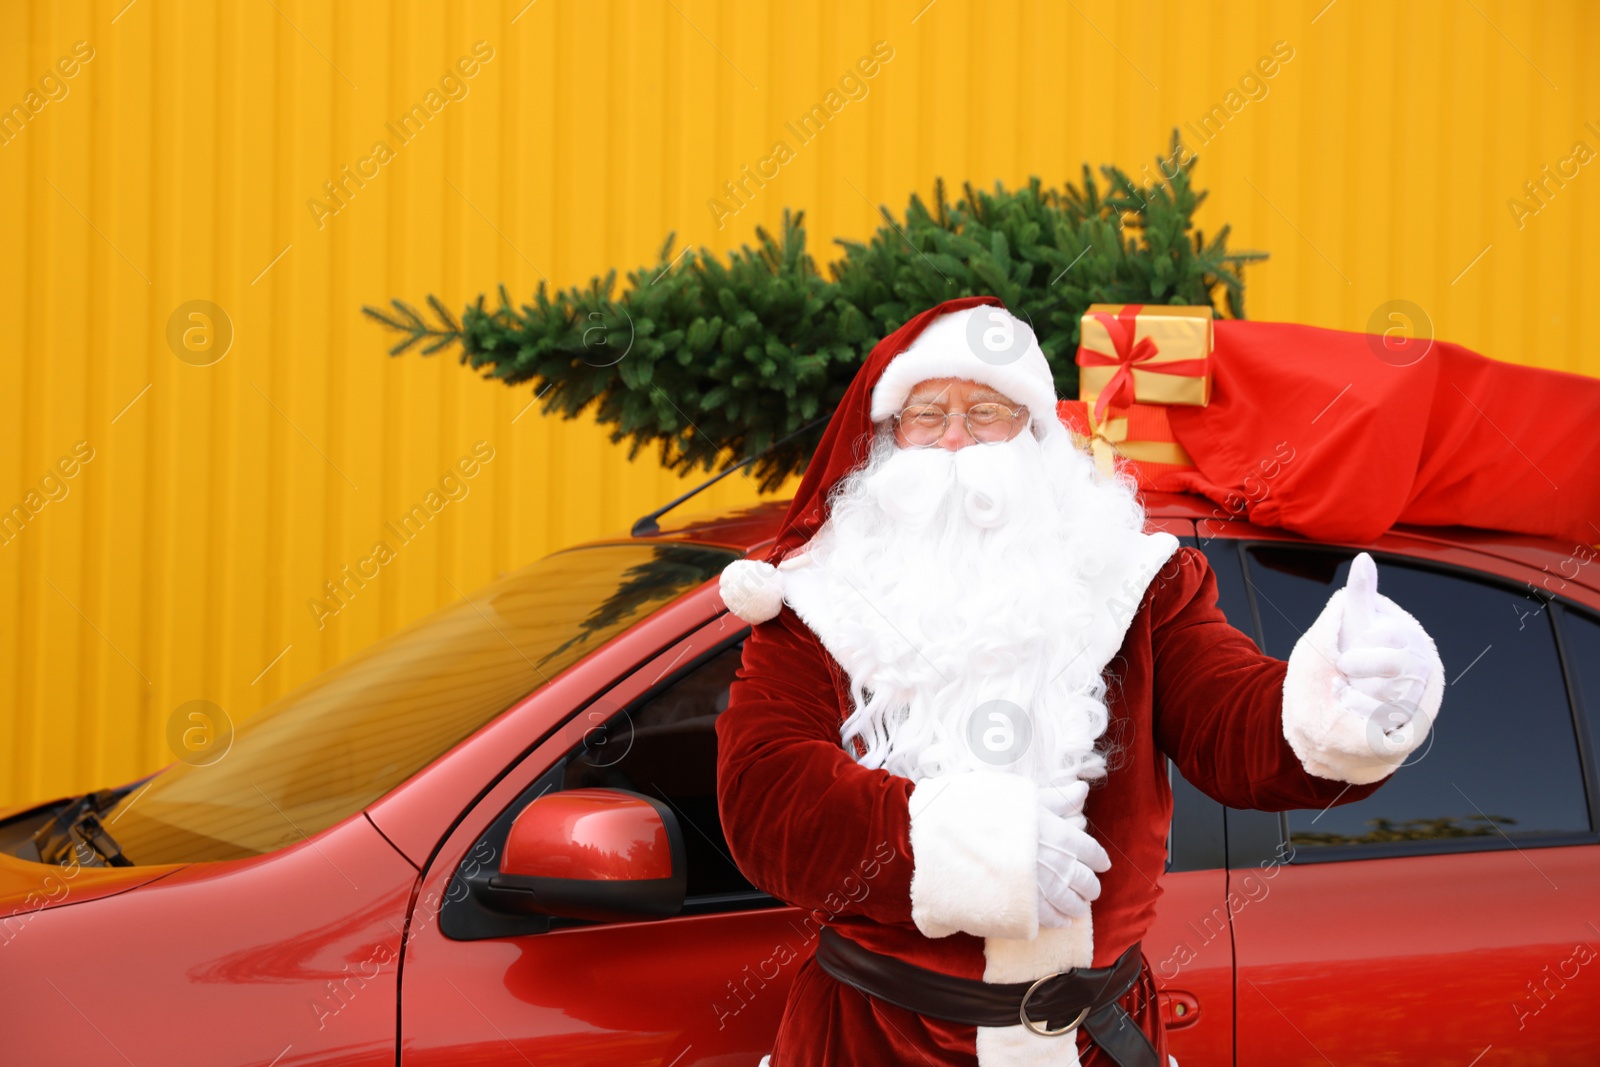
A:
1055,1005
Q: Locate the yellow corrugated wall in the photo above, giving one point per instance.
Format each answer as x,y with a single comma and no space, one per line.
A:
179,161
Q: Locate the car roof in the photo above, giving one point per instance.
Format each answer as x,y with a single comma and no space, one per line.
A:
754,526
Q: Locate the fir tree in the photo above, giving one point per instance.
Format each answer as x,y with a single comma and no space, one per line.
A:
715,362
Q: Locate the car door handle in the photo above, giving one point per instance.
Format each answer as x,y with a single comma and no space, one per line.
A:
1179,1008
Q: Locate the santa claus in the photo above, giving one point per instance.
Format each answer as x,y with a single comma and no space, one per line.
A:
968,657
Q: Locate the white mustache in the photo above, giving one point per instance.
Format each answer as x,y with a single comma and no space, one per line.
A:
991,476
911,488
984,479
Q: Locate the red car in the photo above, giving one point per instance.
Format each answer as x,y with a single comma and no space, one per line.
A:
492,838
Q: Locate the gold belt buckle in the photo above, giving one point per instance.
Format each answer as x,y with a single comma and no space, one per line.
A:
1045,1031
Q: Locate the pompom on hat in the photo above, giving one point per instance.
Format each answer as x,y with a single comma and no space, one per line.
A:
973,338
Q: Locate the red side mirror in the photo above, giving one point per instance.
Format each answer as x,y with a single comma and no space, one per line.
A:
604,854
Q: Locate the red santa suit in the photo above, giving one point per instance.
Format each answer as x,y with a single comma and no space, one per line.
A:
940,871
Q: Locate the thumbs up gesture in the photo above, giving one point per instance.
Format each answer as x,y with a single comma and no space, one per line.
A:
1384,655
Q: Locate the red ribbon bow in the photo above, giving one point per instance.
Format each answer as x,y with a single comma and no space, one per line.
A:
1121,329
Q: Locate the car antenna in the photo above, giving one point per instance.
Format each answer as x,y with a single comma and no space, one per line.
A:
646,526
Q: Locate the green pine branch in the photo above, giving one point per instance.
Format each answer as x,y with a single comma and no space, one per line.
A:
713,361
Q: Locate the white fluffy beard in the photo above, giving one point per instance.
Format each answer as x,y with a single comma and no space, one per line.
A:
956,591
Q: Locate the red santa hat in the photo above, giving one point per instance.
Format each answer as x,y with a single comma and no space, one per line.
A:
973,338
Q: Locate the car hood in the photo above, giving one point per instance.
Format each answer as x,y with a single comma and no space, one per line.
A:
28,887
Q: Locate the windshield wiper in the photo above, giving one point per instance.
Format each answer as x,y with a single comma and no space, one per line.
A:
79,822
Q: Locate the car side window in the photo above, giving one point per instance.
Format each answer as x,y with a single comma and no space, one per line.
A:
1196,839
1232,598
1502,767
665,746
1580,636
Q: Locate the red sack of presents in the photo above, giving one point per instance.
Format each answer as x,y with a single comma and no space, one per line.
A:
1361,434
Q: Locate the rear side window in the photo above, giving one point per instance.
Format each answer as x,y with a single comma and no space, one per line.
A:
1503,764
1232,600
1580,634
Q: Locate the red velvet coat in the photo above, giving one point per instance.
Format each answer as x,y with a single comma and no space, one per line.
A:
809,825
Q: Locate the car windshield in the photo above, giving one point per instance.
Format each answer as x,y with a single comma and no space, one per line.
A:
333,746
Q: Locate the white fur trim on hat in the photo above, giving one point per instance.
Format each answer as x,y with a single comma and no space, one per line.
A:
984,344
753,590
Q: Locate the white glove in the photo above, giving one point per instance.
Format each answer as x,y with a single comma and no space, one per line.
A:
1068,856
1383,655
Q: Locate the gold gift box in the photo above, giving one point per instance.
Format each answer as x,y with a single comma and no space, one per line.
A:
1149,353
1141,433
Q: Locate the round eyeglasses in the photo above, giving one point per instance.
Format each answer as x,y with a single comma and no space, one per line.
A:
923,425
